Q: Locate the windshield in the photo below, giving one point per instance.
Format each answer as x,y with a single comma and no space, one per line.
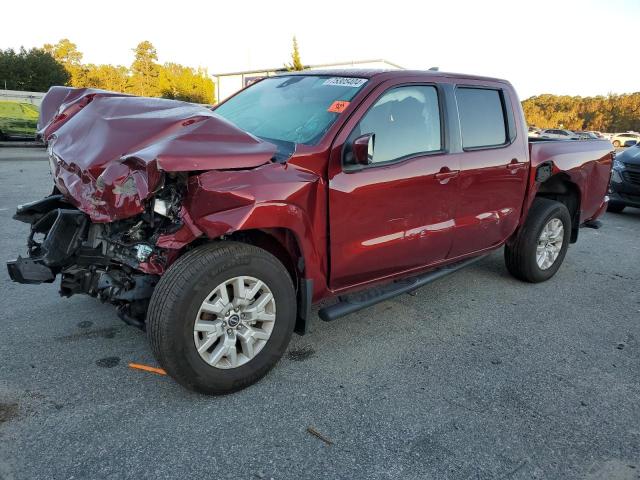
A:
293,108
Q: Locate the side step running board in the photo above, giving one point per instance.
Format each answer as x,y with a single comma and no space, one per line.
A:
357,301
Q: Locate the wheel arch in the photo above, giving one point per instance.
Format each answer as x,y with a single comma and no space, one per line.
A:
280,242
284,231
560,188
283,244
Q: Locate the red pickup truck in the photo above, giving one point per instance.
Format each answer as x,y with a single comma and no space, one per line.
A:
217,229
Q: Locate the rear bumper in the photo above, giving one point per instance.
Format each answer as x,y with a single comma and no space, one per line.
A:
626,199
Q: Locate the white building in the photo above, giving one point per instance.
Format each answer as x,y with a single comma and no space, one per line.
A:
226,84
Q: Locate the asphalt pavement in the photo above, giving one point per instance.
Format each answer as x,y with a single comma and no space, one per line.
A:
477,376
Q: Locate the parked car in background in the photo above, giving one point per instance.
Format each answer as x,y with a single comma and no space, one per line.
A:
18,120
624,190
621,139
534,132
586,135
559,134
596,133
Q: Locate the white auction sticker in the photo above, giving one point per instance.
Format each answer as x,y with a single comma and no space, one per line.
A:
345,82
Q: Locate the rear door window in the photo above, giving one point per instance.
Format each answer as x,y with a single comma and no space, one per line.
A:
482,117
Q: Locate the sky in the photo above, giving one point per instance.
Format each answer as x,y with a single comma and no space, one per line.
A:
587,47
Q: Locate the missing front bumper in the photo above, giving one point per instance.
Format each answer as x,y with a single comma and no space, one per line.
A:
29,271
101,260
62,231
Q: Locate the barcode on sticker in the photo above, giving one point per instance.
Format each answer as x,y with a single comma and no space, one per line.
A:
345,82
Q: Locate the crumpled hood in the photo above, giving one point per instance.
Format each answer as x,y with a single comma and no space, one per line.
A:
108,150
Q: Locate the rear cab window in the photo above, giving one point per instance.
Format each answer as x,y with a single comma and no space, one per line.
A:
483,119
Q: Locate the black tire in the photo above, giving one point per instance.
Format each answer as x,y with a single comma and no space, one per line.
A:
520,252
616,144
180,292
615,207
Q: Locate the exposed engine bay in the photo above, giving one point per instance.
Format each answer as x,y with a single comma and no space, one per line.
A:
116,262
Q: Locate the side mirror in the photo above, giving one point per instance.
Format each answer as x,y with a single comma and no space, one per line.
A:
363,149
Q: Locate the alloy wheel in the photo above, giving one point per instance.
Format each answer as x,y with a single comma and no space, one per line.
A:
234,322
550,243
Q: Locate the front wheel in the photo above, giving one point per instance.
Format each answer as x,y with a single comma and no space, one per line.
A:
616,144
221,317
538,250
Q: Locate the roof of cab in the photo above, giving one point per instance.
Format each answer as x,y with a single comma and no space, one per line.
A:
388,73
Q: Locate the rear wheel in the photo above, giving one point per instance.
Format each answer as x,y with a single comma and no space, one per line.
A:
615,207
616,143
221,317
538,250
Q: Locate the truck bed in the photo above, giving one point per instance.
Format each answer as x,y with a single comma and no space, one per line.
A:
586,163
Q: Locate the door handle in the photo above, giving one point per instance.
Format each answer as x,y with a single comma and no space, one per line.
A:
445,174
515,165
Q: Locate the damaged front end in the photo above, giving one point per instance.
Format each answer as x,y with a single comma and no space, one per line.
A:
116,262
132,178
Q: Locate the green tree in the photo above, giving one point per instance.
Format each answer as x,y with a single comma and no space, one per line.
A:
185,83
66,52
611,113
145,71
107,77
30,70
61,64
296,63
